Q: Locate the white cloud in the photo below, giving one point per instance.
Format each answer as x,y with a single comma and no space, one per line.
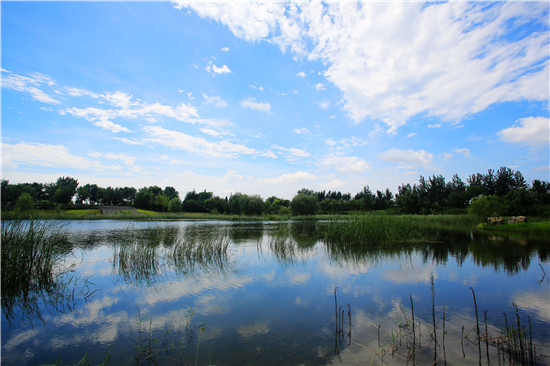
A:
77,92
345,164
295,177
320,86
345,143
464,152
57,156
534,131
252,104
126,107
291,154
224,49
215,70
407,158
323,104
301,74
301,131
30,84
392,61
435,125
333,185
411,134
215,101
99,117
130,161
182,141
129,141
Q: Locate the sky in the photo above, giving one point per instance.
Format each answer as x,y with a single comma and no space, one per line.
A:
268,98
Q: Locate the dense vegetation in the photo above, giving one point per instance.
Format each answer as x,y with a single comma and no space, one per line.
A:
501,192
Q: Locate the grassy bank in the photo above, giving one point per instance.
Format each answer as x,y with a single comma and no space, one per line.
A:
535,228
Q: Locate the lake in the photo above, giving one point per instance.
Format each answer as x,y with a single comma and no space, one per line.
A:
274,293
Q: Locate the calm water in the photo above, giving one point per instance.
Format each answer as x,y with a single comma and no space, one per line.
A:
273,294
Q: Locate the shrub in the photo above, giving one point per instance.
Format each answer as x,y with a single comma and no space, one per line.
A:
24,202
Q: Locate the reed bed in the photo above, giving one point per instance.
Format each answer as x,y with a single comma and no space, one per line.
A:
143,256
34,269
377,230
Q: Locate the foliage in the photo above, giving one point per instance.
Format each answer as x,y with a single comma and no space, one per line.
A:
175,205
303,204
486,206
151,198
24,202
243,204
512,196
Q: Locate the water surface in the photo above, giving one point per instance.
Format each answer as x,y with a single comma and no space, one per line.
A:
274,293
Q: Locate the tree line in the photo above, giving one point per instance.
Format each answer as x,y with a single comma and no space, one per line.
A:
500,192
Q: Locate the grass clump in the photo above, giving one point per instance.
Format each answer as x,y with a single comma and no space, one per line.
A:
382,229
33,266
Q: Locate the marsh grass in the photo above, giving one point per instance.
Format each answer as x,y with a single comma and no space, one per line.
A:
201,246
145,256
384,229
35,270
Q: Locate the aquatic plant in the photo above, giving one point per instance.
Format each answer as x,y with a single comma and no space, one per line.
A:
144,256
35,270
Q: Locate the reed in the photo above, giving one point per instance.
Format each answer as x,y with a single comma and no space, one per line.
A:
477,325
370,230
144,256
33,267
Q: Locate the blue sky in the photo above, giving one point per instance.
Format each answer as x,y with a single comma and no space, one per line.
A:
268,98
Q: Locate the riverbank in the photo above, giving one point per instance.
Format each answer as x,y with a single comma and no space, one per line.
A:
534,228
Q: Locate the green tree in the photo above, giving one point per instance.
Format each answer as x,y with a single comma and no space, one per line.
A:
171,192
303,204
24,202
175,205
65,189
487,206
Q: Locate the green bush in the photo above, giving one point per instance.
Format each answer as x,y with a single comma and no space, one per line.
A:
303,204
487,206
24,202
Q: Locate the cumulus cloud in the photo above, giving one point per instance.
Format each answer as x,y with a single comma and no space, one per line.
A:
392,61
345,164
534,131
252,104
215,70
301,74
407,158
295,177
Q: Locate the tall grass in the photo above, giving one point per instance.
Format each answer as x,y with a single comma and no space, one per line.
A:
143,256
33,267
382,229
